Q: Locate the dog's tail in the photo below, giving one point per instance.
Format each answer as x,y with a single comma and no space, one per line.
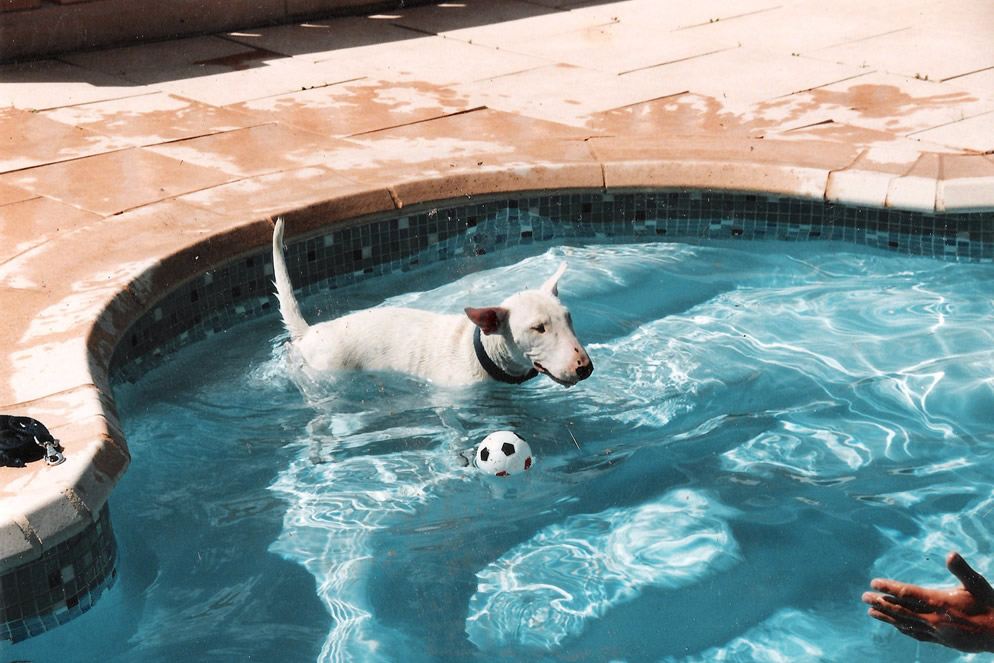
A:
292,319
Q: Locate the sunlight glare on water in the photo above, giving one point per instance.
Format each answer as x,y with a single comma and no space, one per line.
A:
772,395
768,426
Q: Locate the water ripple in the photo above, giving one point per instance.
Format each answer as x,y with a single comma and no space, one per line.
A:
546,589
334,509
862,382
918,558
789,635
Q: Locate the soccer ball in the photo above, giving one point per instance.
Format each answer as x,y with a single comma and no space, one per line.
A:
503,453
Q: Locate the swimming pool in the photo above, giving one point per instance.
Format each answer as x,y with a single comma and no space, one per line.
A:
768,427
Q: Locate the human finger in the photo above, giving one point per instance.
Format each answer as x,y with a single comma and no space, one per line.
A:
912,597
910,625
881,616
972,581
895,607
918,631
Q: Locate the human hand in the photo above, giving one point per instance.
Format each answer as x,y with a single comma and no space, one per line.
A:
961,618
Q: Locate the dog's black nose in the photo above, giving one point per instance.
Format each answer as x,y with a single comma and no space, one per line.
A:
583,371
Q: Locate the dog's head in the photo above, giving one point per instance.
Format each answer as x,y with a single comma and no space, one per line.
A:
538,333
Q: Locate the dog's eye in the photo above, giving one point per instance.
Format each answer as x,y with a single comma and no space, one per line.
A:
540,328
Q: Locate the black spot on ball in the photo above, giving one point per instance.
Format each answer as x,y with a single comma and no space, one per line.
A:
484,454
508,448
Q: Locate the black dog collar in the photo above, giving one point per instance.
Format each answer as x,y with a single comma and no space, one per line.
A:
492,369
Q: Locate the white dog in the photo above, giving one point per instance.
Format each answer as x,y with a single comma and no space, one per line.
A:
529,333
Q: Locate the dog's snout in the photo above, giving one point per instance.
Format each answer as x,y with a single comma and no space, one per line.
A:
584,368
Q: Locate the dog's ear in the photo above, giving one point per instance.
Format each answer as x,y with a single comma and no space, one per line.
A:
550,286
489,319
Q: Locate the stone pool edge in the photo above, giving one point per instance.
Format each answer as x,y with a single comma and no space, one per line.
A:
66,327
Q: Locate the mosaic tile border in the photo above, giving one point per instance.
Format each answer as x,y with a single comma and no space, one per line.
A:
59,586
242,290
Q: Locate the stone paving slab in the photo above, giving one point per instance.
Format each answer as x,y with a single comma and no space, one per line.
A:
152,119
357,107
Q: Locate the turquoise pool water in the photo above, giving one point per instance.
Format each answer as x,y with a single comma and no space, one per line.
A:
769,426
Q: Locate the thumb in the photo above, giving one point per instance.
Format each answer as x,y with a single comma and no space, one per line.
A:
972,581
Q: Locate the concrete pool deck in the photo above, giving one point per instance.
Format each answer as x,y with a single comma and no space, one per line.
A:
126,171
